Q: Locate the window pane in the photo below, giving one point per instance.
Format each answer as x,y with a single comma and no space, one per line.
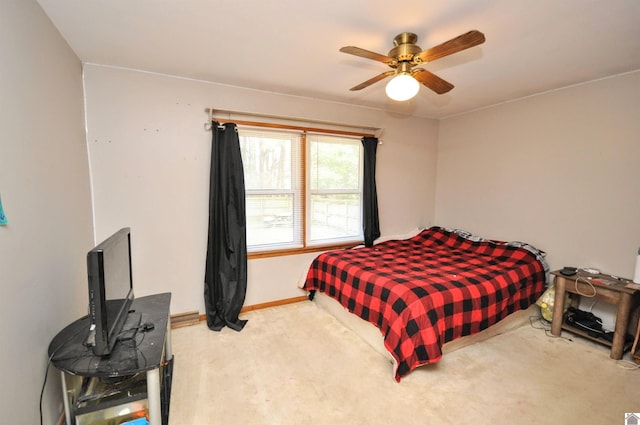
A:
334,164
335,181
273,187
270,220
267,161
336,217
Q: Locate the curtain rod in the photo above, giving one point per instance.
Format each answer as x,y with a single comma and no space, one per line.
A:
305,128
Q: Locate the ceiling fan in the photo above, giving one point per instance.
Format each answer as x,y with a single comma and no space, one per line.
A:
406,55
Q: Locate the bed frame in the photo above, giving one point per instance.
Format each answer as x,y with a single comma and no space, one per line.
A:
372,336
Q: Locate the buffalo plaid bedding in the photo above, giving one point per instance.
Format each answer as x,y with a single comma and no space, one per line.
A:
430,289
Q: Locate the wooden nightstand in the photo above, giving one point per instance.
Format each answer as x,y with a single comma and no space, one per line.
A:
625,299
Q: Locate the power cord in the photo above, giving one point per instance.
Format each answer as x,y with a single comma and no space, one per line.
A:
628,365
44,383
134,344
539,322
129,334
586,280
46,371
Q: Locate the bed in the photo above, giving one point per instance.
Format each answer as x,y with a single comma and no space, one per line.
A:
430,289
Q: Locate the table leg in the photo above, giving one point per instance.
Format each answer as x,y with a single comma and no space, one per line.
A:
168,354
153,396
559,285
65,399
622,321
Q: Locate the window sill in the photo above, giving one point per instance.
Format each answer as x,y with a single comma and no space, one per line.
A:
296,251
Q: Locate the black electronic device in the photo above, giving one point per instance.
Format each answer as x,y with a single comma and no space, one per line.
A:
148,327
110,290
568,271
587,322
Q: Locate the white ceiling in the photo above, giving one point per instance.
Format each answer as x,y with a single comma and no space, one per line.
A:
291,46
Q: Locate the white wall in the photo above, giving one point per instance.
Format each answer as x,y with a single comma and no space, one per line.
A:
44,185
150,159
559,170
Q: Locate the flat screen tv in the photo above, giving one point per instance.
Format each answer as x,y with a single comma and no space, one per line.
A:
110,290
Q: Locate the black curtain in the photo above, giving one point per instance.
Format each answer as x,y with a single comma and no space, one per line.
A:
226,267
370,223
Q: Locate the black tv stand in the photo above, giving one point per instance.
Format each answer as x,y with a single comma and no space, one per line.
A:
137,372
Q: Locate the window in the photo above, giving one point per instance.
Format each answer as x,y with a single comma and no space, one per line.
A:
302,190
334,209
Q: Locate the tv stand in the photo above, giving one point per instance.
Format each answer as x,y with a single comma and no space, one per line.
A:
137,373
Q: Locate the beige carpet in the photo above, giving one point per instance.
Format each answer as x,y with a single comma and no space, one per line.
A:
296,364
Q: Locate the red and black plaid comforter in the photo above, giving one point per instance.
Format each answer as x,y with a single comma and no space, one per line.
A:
430,289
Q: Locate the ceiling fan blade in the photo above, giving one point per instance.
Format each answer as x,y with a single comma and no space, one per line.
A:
462,42
352,50
372,80
431,81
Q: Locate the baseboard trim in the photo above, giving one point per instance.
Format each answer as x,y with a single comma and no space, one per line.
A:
185,319
274,303
248,308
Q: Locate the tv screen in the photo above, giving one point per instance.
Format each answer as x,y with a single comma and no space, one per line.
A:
110,290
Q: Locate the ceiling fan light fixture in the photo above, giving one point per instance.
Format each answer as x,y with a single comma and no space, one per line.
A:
402,87
405,55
